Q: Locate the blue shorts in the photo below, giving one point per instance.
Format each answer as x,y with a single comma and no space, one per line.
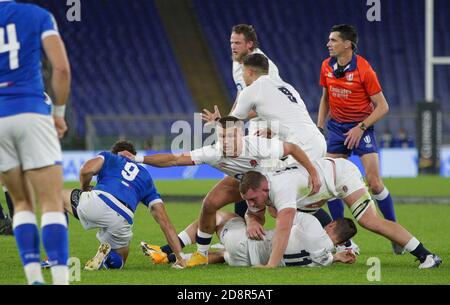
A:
336,138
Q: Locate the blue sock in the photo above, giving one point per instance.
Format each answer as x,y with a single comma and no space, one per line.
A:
114,261
55,238
336,208
386,204
27,237
240,208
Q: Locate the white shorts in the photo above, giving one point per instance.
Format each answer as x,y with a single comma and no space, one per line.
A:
94,213
234,238
29,140
348,178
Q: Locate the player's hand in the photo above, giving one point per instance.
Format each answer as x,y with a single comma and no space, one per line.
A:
264,266
264,133
179,264
209,117
127,154
347,257
353,137
314,183
60,125
255,231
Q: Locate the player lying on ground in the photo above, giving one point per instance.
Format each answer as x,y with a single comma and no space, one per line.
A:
234,155
110,205
287,190
309,243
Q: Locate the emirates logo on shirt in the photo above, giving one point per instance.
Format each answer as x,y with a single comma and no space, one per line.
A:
253,163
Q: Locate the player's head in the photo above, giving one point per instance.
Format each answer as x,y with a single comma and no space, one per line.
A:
255,65
341,230
343,39
230,133
122,145
254,188
243,41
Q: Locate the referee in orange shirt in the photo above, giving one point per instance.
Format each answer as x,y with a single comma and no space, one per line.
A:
353,98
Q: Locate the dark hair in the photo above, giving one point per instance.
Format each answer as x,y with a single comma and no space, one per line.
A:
347,32
251,180
122,145
249,33
228,121
257,61
345,229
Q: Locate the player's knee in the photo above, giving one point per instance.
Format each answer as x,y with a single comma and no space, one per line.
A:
370,222
376,186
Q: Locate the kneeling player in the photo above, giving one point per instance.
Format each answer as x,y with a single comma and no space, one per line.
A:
110,205
309,243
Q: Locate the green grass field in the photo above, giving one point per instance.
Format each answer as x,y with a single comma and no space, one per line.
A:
428,222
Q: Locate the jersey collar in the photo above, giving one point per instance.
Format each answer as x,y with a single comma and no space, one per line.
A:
350,67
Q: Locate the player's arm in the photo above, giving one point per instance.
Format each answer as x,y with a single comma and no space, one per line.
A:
255,220
89,169
323,109
285,218
251,114
346,257
300,156
61,77
161,160
159,213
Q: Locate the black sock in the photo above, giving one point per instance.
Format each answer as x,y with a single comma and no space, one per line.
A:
67,217
2,215
323,217
172,258
240,208
420,252
10,204
168,250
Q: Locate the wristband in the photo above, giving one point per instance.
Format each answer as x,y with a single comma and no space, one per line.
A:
139,158
59,110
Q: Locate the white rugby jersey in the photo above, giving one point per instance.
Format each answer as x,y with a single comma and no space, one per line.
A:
308,245
280,104
254,151
289,187
237,71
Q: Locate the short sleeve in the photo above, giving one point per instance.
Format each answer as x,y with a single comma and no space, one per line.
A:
283,196
323,77
205,155
371,83
152,196
265,148
322,257
48,25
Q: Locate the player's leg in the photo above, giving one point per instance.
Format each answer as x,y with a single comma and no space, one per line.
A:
9,202
379,192
47,183
25,226
336,149
223,193
363,209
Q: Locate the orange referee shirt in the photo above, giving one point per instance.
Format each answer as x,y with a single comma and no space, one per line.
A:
349,96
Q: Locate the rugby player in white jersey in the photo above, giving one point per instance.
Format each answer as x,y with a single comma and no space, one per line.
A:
309,243
234,155
244,41
287,190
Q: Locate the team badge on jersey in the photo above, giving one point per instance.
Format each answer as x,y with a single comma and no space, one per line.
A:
349,77
253,163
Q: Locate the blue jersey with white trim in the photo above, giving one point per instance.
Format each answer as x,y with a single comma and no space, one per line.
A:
22,28
127,181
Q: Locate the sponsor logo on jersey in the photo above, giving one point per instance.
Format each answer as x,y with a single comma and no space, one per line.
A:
253,163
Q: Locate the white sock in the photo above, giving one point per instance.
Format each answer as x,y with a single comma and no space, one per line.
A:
33,273
203,249
412,244
185,238
60,275
381,196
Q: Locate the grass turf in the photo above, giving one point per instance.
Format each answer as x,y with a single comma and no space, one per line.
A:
428,222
